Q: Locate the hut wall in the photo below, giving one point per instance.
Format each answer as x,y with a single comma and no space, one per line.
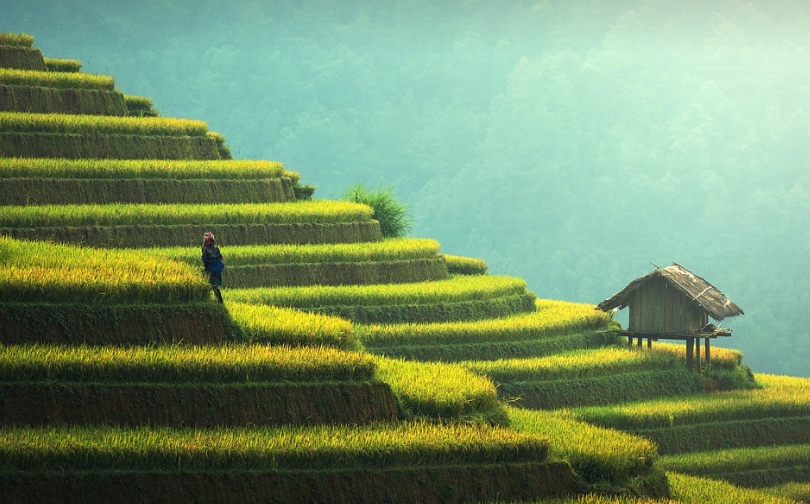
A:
657,307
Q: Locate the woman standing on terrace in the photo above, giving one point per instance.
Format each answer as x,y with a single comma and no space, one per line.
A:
212,262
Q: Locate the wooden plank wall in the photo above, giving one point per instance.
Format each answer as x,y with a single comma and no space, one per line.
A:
657,307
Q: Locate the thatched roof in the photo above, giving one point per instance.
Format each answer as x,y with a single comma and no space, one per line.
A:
695,288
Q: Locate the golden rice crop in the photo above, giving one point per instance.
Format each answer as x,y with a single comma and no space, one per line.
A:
283,448
24,122
793,490
714,462
458,288
62,65
16,39
697,490
182,364
138,102
597,454
552,318
14,77
438,390
385,250
286,326
40,272
465,265
142,169
316,211
689,490
777,398
586,363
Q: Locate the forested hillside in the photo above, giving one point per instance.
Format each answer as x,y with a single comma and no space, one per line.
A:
568,143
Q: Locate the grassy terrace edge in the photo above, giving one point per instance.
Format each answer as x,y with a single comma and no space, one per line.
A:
230,363
550,319
24,122
248,255
453,289
61,80
277,449
117,214
49,168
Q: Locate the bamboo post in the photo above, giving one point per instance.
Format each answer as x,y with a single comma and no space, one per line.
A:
690,347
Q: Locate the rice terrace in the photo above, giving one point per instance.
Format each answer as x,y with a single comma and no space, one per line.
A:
346,365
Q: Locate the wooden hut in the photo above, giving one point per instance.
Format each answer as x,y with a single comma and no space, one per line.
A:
673,303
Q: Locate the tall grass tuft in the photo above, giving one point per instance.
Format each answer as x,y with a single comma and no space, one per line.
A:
390,213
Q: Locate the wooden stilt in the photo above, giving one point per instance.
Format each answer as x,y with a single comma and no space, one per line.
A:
649,342
708,352
690,347
639,340
697,354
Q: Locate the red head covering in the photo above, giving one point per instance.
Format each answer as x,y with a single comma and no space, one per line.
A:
208,239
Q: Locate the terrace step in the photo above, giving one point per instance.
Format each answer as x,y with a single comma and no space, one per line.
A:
190,386
356,464
83,324
196,405
21,58
78,146
554,326
39,191
46,100
337,273
189,235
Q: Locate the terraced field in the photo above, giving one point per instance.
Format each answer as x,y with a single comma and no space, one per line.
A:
344,366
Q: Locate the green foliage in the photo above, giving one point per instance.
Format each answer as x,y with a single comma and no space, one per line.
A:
390,213
62,65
